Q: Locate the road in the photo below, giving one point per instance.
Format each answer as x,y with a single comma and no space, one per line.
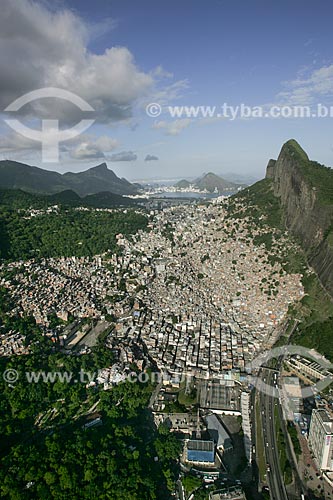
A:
180,490
154,395
274,475
267,406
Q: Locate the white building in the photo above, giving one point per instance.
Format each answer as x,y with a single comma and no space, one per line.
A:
246,424
321,439
309,368
292,390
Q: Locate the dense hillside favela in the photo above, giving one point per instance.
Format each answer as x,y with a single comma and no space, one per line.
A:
166,250
129,332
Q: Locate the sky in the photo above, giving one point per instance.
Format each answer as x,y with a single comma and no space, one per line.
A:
120,56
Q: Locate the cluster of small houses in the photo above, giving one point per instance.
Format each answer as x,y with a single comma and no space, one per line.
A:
206,299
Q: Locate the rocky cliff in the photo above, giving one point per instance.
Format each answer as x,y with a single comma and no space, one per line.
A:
305,190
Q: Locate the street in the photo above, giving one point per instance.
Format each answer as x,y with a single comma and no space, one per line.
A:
274,473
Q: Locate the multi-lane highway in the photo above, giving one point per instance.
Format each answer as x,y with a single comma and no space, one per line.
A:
274,474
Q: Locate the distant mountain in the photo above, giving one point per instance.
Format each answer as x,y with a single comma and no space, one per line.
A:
98,179
15,175
212,182
183,184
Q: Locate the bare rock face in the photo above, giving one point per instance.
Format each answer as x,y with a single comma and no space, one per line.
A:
303,188
270,169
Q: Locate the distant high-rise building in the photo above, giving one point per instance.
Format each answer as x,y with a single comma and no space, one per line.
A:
321,439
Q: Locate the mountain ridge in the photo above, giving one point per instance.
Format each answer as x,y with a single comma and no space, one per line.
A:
16,175
19,199
209,182
305,192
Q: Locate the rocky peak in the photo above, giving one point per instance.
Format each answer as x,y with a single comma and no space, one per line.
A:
303,187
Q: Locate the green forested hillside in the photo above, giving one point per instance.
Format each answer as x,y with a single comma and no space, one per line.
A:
46,453
315,310
18,199
66,233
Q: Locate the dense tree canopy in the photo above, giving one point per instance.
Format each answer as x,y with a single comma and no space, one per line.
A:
64,234
45,449
47,453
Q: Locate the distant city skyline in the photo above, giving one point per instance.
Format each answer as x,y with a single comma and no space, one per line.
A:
120,56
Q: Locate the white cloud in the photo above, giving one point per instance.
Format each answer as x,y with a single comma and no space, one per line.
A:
44,47
84,147
168,93
318,84
174,127
94,149
40,48
86,151
15,142
106,143
160,72
123,156
151,158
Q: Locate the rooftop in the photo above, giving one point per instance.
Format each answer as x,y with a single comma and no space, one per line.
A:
218,432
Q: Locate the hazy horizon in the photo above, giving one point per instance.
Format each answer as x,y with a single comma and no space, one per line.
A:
120,57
